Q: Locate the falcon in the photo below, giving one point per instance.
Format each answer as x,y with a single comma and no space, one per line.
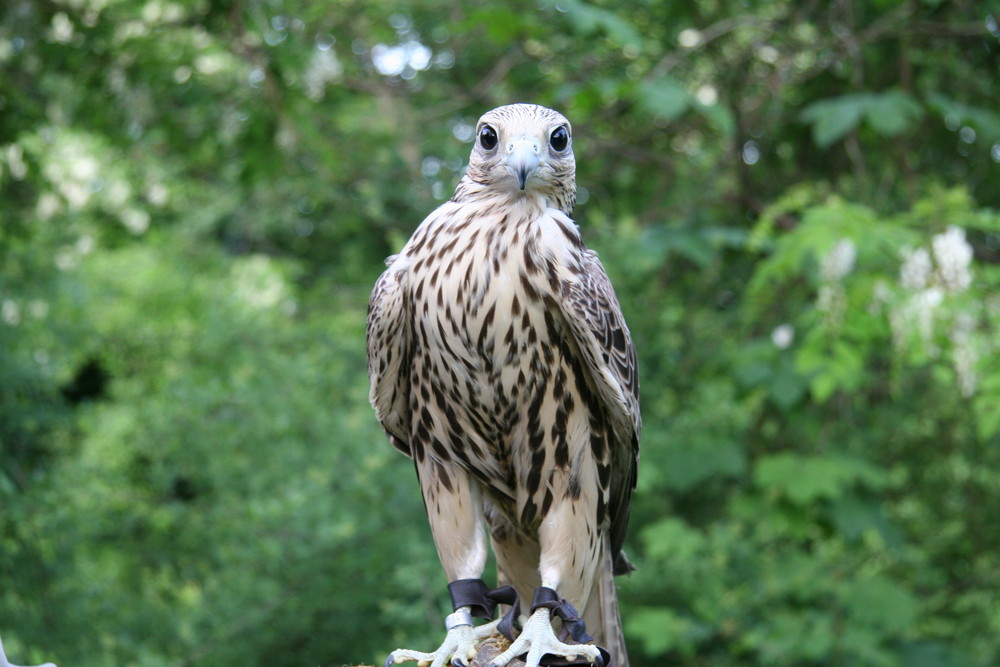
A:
500,362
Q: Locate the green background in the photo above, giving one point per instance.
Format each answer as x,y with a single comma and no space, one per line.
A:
796,202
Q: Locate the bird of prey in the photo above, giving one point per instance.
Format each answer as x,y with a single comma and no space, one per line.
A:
500,362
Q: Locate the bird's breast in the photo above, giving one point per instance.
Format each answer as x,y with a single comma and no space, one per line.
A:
485,312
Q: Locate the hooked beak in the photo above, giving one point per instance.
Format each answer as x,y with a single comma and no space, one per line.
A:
523,159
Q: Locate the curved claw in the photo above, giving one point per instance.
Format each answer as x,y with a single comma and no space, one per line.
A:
458,645
537,639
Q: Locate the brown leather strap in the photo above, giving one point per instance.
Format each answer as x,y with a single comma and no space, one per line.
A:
472,593
574,625
507,595
546,597
483,602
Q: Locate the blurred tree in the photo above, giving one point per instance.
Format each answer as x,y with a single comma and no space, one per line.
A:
794,199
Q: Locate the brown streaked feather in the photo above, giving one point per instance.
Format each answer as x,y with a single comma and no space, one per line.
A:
594,315
388,339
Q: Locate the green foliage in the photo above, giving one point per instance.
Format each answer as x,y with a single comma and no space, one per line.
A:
210,440
664,97
872,373
889,114
802,480
797,205
588,19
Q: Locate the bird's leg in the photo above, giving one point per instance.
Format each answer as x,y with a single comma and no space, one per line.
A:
458,647
538,638
454,508
570,554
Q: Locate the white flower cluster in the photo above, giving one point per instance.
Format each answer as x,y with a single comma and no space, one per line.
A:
260,284
917,314
839,261
10,312
831,301
882,296
954,259
324,68
783,335
963,354
929,278
916,270
834,266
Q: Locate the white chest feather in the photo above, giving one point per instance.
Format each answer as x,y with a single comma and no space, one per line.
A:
489,339
485,289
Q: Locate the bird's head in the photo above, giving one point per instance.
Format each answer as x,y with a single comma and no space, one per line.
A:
523,150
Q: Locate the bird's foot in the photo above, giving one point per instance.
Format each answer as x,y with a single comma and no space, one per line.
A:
538,640
458,647
5,663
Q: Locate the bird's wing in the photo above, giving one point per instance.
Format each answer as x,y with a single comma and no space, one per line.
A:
388,337
591,309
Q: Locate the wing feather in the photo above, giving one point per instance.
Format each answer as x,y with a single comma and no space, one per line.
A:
594,315
388,335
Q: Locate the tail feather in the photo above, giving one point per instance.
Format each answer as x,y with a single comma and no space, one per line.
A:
601,614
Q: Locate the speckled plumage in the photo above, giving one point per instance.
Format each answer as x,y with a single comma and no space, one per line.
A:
501,363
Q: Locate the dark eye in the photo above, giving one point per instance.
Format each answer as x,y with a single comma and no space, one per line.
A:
559,138
487,137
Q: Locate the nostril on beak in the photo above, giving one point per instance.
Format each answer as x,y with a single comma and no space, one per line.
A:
523,159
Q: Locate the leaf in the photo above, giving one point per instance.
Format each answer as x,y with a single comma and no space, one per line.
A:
879,601
501,25
805,479
837,367
833,118
854,514
672,539
985,121
7,487
795,199
588,19
892,112
987,406
690,244
719,116
822,387
693,461
932,654
664,97
655,243
808,635
888,113
787,386
662,630
753,364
